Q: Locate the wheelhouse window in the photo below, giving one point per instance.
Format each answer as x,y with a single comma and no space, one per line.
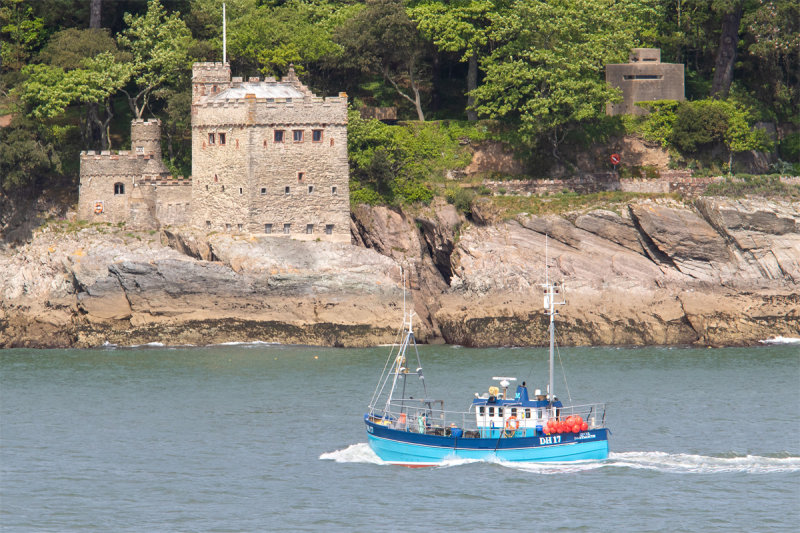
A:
297,136
278,138
491,411
212,137
316,136
482,410
119,188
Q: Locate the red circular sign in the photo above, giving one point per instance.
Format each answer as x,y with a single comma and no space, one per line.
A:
615,159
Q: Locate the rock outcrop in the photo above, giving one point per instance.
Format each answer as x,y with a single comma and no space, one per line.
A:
717,272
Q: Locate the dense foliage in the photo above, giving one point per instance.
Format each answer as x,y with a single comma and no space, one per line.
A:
73,81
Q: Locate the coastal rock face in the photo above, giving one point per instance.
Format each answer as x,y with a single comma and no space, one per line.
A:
718,272
721,272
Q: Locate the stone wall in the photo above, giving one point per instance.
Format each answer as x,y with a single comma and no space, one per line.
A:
107,180
680,181
173,201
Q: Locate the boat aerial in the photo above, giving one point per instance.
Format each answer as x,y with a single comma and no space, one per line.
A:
410,431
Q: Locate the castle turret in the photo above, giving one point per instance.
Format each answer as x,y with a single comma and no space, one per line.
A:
146,137
209,79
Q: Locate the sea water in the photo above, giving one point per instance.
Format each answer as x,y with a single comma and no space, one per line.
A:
271,438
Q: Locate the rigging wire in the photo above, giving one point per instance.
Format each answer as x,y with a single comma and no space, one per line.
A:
563,372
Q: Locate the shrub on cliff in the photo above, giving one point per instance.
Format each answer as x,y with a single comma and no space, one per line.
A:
399,163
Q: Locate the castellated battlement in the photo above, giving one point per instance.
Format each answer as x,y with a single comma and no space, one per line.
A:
113,154
166,181
211,72
271,112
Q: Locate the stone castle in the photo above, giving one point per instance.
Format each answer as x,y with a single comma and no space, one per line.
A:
644,79
268,157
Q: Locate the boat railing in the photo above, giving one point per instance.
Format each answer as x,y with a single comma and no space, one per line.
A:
421,416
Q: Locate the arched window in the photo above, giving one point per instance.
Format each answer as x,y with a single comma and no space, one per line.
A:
119,188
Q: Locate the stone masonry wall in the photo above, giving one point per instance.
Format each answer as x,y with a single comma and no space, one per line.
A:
669,181
173,201
242,185
99,174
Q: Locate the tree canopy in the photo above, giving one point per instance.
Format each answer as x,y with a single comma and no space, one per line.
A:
535,67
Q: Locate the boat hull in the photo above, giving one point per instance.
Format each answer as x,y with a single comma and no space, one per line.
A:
415,449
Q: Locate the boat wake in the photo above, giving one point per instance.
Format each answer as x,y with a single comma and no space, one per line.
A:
703,464
781,340
355,453
674,463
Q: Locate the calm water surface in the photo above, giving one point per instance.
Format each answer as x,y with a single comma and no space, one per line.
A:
265,438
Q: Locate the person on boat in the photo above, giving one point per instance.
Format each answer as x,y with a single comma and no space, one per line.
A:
539,396
522,393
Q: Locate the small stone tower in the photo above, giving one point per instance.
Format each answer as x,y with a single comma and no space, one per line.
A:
146,138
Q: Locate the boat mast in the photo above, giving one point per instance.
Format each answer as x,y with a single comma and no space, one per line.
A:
550,293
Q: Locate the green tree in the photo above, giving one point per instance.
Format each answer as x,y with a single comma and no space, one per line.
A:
546,71
460,26
770,63
69,50
299,33
158,43
382,40
27,157
22,33
48,89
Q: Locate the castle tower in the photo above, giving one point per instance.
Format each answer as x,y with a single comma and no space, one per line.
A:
268,157
209,79
146,137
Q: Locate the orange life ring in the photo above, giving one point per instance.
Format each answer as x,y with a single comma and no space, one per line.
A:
98,208
512,424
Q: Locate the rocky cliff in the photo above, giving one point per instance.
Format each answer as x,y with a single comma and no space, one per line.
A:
716,272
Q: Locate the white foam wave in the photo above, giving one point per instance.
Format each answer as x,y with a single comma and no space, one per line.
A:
148,345
246,343
657,461
781,340
703,464
355,453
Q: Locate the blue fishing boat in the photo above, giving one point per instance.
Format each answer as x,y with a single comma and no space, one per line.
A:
510,426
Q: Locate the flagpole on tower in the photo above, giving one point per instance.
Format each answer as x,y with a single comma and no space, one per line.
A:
224,37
